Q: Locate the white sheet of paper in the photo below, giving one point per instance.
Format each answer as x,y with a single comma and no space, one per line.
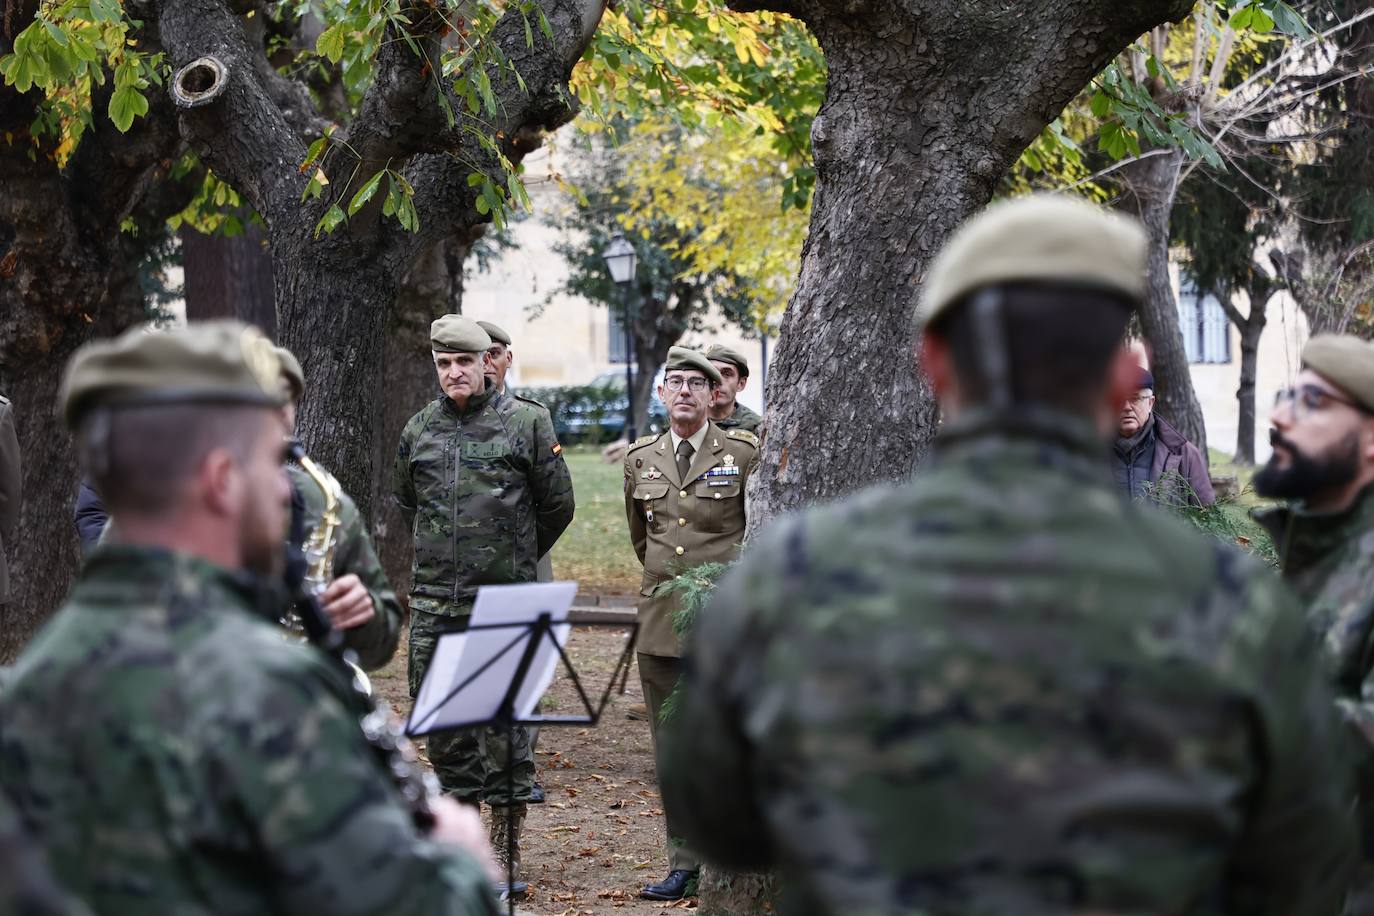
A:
458,656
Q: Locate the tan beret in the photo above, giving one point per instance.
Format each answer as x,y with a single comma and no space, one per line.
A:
495,333
211,362
291,369
456,334
1346,362
1045,238
684,358
725,354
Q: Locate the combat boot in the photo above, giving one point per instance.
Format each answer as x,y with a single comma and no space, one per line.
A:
506,823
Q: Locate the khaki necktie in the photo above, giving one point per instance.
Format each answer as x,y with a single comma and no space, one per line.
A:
684,460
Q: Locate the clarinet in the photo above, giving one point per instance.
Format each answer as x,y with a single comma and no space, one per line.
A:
382,730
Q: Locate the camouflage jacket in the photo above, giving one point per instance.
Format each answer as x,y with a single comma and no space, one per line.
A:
1328,560
485,491
174,755
1001,688
741,418
374,641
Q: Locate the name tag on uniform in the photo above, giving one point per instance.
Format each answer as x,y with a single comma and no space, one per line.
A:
719,483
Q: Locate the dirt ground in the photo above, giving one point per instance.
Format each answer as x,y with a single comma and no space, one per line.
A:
600,837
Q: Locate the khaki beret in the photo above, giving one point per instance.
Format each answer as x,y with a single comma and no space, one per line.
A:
683,358
291,368
211,362
495,333
1044,238
725,354
456,334
1346,362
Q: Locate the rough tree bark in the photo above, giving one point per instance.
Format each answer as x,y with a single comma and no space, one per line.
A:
67,273
335,292
229,277
928,104
1150,185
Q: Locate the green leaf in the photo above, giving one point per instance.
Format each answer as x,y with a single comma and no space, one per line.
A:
1101,104
1261,21
57,34
126,104
313,153
330,221
106,10
331,43
1240,19
365,192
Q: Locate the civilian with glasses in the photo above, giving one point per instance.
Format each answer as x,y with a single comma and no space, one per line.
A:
1322,432
684,500
1152,460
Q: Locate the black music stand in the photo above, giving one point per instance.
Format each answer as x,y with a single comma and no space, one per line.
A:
529,638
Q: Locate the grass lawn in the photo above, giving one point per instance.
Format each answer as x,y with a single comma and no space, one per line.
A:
595,550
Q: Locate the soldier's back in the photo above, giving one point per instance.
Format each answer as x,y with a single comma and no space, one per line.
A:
1003,689
176,755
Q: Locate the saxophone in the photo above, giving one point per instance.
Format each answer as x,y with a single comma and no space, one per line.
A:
382,730
319,547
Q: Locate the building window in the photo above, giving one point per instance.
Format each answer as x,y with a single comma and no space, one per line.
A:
1206,329
616,338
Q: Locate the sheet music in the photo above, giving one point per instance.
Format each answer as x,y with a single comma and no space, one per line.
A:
458,657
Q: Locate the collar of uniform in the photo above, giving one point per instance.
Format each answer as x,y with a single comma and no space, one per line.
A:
1305,539
489,394
697,438
127,571
1058,436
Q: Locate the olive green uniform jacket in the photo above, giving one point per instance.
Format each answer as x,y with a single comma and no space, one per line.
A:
173,754
375,641
1002,688
486,493
742,418
677,524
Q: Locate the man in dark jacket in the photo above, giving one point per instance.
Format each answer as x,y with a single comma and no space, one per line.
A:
90,517
1152,460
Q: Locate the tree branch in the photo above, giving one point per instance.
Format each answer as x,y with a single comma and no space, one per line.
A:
243,135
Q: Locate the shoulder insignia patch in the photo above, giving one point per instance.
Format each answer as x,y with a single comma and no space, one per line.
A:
521,397
743,435
645,440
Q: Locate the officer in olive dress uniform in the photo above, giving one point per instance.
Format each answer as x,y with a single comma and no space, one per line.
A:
684,500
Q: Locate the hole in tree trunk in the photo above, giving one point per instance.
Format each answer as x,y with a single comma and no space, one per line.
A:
199,82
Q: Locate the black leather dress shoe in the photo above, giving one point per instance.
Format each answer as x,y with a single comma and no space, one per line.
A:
673,887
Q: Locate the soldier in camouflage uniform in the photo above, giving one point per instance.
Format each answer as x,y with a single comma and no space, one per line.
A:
161,742
359,601
684,502
481,481
726,411
1323,460
1001,688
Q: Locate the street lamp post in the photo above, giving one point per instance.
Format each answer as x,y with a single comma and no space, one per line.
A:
620,261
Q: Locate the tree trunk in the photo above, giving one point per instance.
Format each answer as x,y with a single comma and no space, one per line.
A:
926,108
433,287
230,277
1251,329
1150,187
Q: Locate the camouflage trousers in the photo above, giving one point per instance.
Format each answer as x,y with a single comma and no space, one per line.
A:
471,763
